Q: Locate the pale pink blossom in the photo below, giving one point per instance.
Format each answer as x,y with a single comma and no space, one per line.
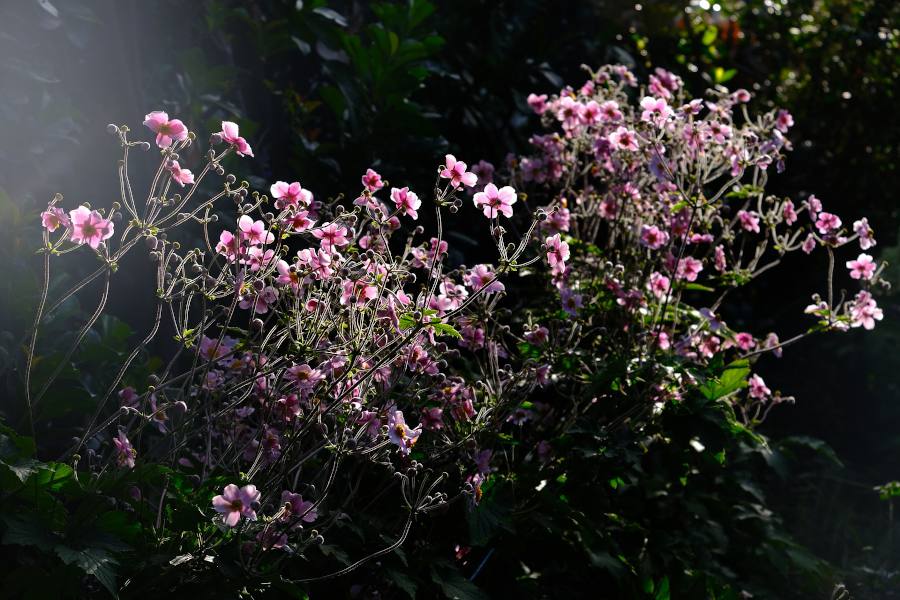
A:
538,103
653,237
372,181
167,131
455,171
331,235
295,507
865,233
254,231
481,276
400,433
290,194
827,223
407,202
789,213
655,110
231,136
623,139
688,268
784,121
125,452
658,284
864,311
493,200
557,253
236,502
749,220
53,218
863,267
179,175
758,388
609,112
89,227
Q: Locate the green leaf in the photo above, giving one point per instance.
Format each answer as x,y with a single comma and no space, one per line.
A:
93,561
446,329
733,378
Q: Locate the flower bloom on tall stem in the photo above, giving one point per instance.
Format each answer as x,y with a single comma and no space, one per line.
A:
290,194
331,235
655,110
125,452
372,180
863,267
179,175
400,433
623,139
296,507
167,131
758,388
493,200
557,253
538,103
230,133
53,218
653,237
254,231
864,311
749,221
455,171
827,223
865,233
406,201
89,227
481,276
688,268
236,502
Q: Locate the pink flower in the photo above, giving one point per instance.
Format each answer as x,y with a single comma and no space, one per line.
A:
53,218
623,139
179,175
789,213
290,194
865,233
455,171
658,284
688,268
260,302
288,275
304,377
493,200
653,237
229,133
609,112
827,223
166,131
372,181
809,244
537,103
749,220
296,507
399,432
229,245
236,502
406,201
655,110
744,341
758,389
254,231
557,253
863,311
125,452
814,204
862,268
331,235
784,121
89,227
480,276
